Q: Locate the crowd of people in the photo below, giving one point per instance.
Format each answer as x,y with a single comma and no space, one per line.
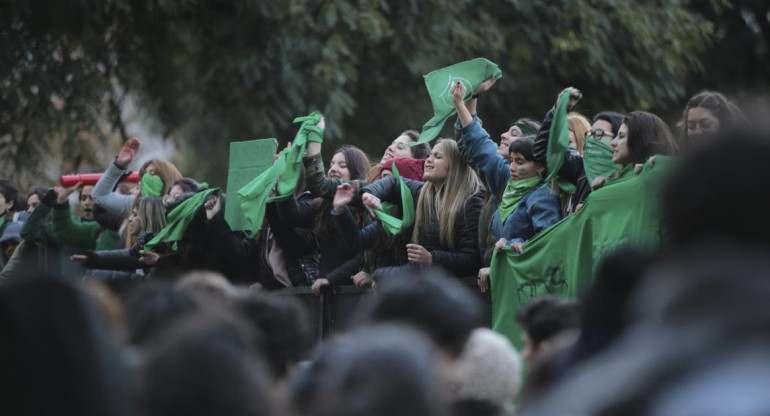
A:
106,323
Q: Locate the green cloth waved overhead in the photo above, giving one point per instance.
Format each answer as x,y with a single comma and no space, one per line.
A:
597,160
514,192
439,84
151,185
390,223
562,260
558,141
180,217
286,171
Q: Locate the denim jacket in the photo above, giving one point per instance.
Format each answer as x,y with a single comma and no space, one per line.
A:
538,210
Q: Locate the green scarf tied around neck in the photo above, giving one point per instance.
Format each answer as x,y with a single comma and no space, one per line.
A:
558,141
285,171
390,223
151,186
180,217
597,159
514,192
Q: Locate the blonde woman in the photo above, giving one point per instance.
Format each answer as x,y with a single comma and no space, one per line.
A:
578,129
148,215
446,211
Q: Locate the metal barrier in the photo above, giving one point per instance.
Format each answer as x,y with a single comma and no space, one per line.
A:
342,308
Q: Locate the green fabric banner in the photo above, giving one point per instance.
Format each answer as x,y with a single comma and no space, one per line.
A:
180,217
390,223
562,259
248,159
597,160
439,84
285,171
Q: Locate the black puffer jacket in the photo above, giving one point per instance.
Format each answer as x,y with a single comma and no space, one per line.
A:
464,259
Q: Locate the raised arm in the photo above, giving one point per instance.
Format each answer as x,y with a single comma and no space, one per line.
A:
476,142
81,235
103,194
572,168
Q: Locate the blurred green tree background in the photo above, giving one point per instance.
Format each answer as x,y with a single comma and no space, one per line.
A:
208,72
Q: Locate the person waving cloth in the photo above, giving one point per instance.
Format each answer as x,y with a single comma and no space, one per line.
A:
446,213
527,204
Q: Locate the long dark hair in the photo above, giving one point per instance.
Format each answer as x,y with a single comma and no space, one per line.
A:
358,164
648,135
728,114
356,160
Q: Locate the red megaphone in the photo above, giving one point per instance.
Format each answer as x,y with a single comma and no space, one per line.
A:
91,179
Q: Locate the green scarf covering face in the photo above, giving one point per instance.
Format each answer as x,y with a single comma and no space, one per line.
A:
514,192
393,225
151,186
597,160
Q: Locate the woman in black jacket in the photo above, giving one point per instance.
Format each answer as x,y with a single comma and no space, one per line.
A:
447,211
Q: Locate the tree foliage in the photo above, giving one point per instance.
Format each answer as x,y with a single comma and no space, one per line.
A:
208,72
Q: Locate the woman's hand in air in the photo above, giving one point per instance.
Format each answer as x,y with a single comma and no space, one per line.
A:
343,197
371,202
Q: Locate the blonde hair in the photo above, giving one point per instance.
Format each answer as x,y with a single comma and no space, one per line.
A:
447,199
165,170
152,215
579,125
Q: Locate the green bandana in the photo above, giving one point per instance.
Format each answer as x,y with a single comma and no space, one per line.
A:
286,171
597,160
514,191
151,185
392,224
439,84
526,129
180,217
558,141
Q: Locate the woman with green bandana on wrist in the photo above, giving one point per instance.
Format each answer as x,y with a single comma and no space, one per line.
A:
641,136
527,204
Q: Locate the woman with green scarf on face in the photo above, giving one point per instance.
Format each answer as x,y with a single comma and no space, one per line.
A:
156,179
527,204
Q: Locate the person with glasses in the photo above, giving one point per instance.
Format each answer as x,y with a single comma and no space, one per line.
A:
641,136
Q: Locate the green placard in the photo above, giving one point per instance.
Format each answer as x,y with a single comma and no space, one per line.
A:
247,160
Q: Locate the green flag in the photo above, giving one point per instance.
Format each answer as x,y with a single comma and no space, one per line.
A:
248,159
180,217
562,259
392,224
558,141
597,160
439,83
285,171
